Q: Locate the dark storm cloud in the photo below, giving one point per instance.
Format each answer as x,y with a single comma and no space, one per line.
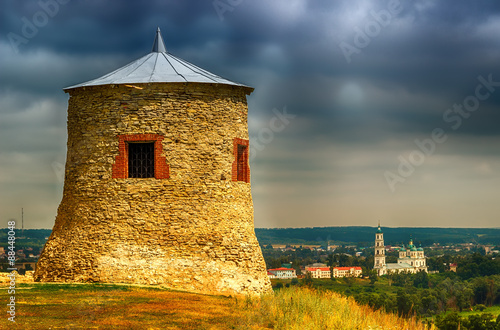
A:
86,26
352,120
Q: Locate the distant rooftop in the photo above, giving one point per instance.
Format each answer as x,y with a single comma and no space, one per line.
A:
159,66
398,266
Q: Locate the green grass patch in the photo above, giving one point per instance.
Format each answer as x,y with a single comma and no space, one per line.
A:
494,310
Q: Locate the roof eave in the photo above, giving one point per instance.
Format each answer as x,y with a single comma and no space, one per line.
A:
248,90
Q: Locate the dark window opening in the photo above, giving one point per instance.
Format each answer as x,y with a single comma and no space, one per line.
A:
242,162
141,160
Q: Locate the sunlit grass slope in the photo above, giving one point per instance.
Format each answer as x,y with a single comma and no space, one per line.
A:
301,308
97,306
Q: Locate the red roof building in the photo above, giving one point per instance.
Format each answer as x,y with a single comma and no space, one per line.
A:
324,272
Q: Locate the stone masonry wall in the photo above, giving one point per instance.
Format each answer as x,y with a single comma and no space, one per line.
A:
191,229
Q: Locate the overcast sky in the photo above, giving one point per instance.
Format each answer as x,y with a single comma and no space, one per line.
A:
386,110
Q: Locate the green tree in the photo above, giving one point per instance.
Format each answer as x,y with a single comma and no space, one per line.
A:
402,279
451,321
421,280
429,303
348,280
390,277
404,303
308,281
483,321
485,291
345,260
464,296
331,262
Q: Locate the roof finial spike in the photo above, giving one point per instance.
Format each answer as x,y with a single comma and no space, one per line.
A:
158,45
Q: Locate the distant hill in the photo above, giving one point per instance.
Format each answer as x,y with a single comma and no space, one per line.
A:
343,235
392,236
26,238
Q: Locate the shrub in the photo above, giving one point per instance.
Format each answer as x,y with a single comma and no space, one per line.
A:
451,321
479,307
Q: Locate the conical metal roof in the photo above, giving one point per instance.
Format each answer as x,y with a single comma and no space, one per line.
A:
159,66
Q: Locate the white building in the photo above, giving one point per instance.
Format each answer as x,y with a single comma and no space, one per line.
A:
411,259
347,271
282,273
324,272
318,272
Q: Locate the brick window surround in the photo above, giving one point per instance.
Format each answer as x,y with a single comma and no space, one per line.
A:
240,166
120,167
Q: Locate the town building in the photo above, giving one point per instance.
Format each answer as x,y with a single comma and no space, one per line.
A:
282,273
411,259
347,271
318,272
325,272
271,275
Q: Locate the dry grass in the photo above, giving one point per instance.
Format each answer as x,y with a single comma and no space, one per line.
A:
91,306
302,308
86,306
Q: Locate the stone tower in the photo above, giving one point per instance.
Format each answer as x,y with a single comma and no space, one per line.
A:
157,182
379,259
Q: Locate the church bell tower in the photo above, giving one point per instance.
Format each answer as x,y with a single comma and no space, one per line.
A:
379,260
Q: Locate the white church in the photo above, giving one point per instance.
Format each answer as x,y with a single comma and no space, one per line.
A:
411,259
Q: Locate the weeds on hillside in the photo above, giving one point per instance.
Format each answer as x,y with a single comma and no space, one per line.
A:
303,308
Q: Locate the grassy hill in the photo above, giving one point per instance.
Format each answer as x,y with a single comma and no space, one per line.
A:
100,306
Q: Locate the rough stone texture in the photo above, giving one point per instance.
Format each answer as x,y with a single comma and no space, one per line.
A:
192,230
